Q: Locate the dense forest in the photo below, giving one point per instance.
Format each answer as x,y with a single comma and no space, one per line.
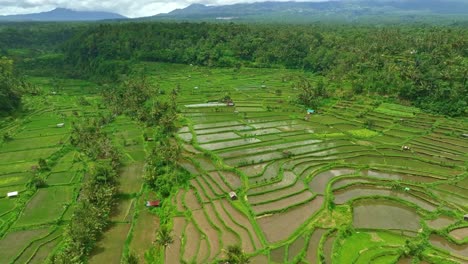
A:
10,97
425,65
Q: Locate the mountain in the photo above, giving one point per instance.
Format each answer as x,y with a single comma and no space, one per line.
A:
333,10
63,14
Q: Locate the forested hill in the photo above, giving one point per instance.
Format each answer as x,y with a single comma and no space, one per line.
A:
344,10
425,65
63,14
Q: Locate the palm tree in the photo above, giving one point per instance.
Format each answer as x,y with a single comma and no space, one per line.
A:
131,259
235,255
164,237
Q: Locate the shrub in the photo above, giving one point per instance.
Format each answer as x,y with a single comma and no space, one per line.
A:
7,137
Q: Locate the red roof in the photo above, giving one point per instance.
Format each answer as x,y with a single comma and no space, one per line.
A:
153,203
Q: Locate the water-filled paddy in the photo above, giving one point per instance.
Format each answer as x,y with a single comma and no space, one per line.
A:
440,222
230,143
381,214
399,176
355,191
355,145
281,203
312,249
440,242
280,226
296,247
278,255
320,181
274,194
459,233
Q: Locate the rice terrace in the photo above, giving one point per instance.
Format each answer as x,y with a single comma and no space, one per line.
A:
116,151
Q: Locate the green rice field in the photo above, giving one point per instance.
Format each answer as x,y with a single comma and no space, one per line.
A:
319,188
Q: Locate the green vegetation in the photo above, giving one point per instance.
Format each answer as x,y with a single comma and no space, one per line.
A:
91,214
10,97
397,110
363,133
386,61
225,147
234,254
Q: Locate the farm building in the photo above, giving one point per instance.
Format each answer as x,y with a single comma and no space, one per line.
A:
465,135
12,194
60,125
310,111
155,203
233,195
465,217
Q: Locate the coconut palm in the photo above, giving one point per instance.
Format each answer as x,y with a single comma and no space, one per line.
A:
235,255
164,237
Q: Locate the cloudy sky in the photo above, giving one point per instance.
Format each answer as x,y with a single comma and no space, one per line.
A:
130,8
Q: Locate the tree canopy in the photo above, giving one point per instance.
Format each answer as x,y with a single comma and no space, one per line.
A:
426,65
10,98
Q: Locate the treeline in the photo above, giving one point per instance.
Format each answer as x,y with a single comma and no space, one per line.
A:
36,47
423,64
38,37
10,87
135,97
156,109
13,86
97,196
426,65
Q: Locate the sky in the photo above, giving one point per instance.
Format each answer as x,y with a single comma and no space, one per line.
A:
129,8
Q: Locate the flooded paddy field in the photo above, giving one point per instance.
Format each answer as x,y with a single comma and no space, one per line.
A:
304,182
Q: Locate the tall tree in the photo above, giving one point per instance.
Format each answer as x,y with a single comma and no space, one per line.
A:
10,98
164,237
235,255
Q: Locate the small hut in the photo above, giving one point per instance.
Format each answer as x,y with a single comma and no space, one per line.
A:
310,111
465,135
233,196
405,147
155,203
60,125
12,194
465,217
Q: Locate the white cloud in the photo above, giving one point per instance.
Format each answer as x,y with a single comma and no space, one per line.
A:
129,8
